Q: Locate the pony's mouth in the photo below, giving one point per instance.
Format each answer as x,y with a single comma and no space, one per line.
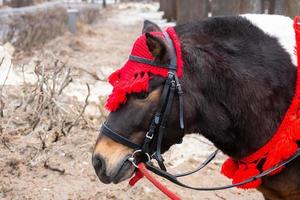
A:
125,172
122,171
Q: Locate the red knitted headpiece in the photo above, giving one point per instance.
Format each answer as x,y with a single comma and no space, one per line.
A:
282,145
133,77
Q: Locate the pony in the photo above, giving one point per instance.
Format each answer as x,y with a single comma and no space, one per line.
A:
238,80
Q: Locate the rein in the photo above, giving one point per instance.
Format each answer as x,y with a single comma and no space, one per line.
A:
151,147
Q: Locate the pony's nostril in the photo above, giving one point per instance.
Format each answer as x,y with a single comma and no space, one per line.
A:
98,163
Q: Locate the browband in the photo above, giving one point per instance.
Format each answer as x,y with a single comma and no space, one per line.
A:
173,58
147,61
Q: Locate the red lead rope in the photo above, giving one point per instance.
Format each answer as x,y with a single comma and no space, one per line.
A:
143,171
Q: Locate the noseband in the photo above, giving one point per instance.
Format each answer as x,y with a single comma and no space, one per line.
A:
151,146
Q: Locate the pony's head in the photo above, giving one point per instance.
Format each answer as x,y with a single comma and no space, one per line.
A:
133,103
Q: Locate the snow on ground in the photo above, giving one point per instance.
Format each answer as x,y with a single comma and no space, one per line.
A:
278,26
139,12
8,75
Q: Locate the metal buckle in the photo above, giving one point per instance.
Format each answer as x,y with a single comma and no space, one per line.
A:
148,136
132,157
171,73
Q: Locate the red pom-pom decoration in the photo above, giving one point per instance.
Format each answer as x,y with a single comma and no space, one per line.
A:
244,174
229,168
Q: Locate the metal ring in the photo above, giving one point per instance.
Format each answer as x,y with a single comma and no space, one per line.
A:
132,157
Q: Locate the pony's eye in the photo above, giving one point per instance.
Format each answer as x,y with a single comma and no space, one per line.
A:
141,95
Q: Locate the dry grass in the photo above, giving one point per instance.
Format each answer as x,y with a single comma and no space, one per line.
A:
42,108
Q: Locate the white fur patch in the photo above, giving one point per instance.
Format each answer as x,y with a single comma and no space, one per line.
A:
278,26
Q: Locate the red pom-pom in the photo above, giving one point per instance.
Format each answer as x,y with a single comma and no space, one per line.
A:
229,168
244,174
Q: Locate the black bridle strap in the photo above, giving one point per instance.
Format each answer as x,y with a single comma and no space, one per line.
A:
173,66
117,137
180,96
171,48
162,126
171,86
174,180
164,97
201,166
148,61
157,118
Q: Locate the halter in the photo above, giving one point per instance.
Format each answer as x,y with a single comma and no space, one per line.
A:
151,146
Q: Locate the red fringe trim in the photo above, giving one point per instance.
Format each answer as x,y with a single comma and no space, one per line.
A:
133,77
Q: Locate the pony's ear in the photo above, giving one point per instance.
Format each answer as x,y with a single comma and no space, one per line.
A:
150,27
157,47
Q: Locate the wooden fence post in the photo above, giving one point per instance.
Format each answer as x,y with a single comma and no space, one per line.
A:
285,7
293,7
170,10
228,7
235,7
280,7
161,5
251,6
188,10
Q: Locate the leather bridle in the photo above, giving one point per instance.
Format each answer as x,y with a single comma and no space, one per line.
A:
153,139
151,146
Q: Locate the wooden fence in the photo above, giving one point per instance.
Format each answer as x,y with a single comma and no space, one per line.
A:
187,10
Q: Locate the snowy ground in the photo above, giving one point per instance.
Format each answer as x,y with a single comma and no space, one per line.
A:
33,165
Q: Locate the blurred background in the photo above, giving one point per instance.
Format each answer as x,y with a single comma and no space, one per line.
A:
55,57
186,10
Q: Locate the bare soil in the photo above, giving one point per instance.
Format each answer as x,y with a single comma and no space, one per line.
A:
49,161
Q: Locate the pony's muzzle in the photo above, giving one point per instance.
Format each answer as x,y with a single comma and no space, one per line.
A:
100,169
110,161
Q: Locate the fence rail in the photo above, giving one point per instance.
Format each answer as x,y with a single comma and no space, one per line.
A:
24,3
186,10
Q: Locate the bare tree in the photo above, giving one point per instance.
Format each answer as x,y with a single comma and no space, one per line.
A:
278,7
251,6
161,5
188,10
285,7
293,7
170,10
228,7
